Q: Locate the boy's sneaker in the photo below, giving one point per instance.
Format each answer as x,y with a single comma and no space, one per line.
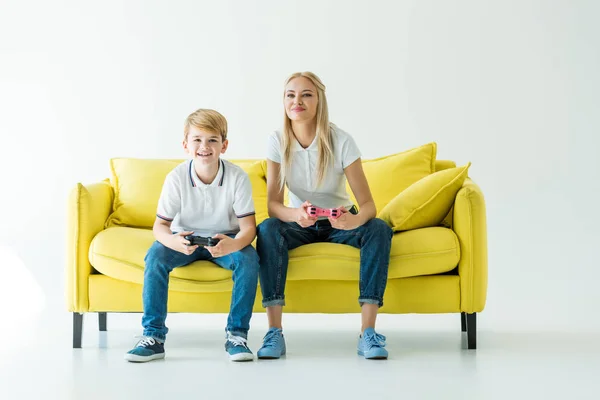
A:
147,349
237,347
371,345
273,345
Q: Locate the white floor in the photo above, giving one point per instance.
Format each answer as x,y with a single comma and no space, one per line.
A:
427,361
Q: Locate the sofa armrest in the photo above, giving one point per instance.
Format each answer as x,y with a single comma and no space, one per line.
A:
88,209
470,227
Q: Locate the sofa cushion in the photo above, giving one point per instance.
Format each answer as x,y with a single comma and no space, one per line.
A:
119,252
389,175
138,182
257,172
425,202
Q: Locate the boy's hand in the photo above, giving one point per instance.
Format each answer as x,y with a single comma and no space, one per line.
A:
346,222
181,245
302,217
225,246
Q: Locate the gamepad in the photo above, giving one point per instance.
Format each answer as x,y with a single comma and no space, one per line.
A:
201,241
314,211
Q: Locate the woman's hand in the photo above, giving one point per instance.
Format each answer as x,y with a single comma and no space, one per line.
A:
302,217
346,222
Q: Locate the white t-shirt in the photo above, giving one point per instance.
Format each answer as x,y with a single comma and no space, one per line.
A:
206,209
302,176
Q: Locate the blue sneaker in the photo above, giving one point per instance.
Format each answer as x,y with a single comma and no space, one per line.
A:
273,345
237,347
371,345
147,349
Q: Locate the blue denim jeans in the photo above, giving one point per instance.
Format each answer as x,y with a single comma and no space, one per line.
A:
161,260
276,237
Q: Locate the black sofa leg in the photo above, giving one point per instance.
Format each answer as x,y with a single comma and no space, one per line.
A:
77,329
463,322
102,321
471,320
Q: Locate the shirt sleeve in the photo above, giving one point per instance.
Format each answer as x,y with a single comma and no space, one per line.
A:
350,152
169,203
243,205
274,148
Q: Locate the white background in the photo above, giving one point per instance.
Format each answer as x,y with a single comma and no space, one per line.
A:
512,86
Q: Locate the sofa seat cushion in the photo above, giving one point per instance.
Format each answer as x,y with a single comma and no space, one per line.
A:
419,252
119,252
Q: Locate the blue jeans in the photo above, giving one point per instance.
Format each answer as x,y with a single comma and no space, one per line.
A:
161,260
276,237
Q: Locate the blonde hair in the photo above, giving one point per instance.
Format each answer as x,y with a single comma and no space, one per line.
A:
206,120
324,137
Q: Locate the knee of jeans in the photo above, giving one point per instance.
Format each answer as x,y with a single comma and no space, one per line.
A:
379,228
267,229
269,225
249,258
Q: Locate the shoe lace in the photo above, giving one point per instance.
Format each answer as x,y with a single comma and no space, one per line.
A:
374,340
271,339
145,341
237,340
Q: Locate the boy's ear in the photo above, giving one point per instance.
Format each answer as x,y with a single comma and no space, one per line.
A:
184,144
225,144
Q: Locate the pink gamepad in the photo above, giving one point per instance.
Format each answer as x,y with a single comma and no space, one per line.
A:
314,211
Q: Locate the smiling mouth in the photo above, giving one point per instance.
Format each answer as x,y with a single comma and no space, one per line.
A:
204,154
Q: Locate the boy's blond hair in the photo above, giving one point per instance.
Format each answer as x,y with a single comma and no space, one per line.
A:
206,120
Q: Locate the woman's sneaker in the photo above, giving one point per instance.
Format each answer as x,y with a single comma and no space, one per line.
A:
371,345
237,347
147,349
273,345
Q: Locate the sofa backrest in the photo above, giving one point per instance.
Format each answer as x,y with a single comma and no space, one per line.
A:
138,183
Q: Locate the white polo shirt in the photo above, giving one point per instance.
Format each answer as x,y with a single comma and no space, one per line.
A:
207,210
302,177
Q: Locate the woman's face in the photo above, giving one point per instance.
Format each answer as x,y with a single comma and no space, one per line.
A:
300,99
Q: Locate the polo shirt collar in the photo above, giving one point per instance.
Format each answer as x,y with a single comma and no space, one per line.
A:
296,146
196,182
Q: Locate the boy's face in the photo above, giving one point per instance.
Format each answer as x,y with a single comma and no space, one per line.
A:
204,147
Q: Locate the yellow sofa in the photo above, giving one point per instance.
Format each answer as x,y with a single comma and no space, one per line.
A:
437,269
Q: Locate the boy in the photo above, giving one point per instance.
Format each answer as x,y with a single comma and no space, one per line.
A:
210,197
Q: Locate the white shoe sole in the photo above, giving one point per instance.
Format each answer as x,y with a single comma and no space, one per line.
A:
141,359
241,357
270,357
372,357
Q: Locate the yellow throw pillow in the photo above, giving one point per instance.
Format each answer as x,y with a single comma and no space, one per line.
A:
137,184
388,176
426,202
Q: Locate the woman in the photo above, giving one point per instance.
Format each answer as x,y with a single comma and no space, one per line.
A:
313,158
